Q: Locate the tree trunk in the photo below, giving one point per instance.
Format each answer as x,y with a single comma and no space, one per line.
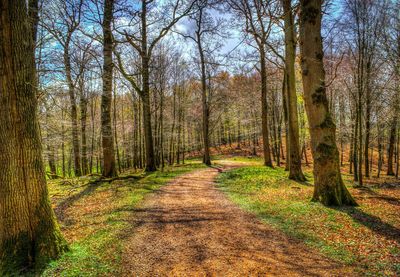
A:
328,184
264,108
285,117
205,108
29,234
367,122
83,107
295,172
145,94
109,169
392,140
74,110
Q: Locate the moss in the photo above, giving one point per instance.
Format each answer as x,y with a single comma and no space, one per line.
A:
327,123
325,150
16,255
319,96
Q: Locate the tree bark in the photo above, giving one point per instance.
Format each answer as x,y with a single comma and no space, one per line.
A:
264,108
205,108
392,139
29,234
74,110
83,107
295,172
145,94
109,169
328,184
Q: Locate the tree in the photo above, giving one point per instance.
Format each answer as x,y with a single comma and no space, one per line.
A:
62,23
206,29
109,168
144,43
328,184
256,14
294,158
29,234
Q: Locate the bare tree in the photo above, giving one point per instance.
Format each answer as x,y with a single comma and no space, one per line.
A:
258,24
62,19
144,43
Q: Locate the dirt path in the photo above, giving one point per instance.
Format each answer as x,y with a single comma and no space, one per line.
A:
189,228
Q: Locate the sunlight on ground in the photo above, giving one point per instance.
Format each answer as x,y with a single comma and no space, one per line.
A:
93,219
367,236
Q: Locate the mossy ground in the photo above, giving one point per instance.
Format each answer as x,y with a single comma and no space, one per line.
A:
366,236
96,218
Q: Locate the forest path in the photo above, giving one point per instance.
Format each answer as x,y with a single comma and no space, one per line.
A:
190,228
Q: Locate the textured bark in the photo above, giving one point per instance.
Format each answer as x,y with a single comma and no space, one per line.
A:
83,109
73,112
29,234
109,169
328,185
264,108
285,117
145,94
392,139
295,172
367,122
204,95
205,109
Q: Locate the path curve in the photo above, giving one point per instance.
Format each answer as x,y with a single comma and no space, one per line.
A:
190,228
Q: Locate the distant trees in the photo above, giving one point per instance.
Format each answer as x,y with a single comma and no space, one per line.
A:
29,234
205,37
168,100
144,43
258,24
62,20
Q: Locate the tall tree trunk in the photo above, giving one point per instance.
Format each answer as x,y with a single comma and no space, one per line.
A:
83,107
295,172
29,234
50,148
74,110
145,94
367,121
285,118
264,108
63,144
109,169
392,140
115,128
328,184
205,108
355,146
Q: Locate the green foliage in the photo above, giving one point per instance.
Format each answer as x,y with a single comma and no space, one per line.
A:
286,205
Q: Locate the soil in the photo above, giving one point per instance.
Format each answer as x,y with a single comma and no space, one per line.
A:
190,228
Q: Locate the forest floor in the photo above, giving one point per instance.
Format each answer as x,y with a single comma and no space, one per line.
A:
235,218
190,228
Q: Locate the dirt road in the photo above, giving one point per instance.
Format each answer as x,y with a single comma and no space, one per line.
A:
190,228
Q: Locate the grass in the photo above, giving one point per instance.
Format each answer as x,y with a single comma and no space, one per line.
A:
95,218
366,236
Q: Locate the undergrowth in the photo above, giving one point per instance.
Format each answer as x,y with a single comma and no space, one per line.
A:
365,237
96,218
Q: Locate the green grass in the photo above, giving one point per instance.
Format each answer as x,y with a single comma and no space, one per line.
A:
100,220
286,205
